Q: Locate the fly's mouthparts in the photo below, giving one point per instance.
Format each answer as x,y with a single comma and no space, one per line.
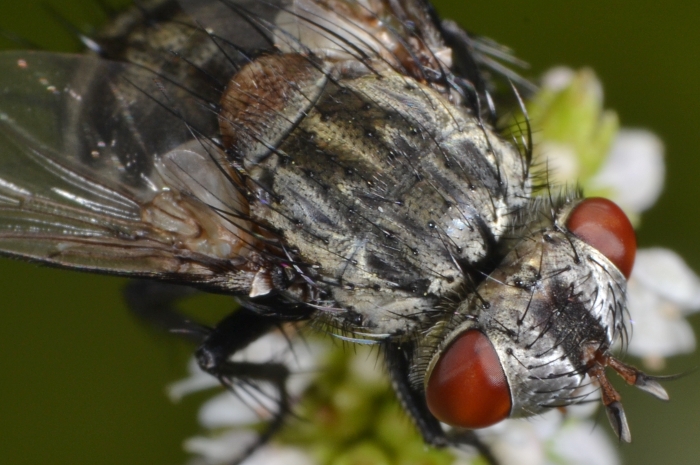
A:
611,398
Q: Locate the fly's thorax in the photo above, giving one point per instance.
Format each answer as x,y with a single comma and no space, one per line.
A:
387,192
551,300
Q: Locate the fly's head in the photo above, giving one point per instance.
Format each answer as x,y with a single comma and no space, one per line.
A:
541,326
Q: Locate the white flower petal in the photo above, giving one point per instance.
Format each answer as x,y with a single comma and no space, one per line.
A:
550,439
197,381
589,397
242,408
298,383
521,445
515,441
220,449
523,440
230,445
303,362
665,272
658,326
561,160
270,347
546,424
466,456
278,455
634,170
558,78
583,443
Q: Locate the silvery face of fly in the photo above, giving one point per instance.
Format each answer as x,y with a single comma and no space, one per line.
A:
332,161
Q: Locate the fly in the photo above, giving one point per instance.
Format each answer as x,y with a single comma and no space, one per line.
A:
330,161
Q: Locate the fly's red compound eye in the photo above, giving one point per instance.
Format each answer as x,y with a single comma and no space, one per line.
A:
467,387
603,225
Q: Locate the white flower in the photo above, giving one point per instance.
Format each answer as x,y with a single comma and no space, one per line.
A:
634,170
662,291
582,443
197,381
560,77
550,439
231,444
554,438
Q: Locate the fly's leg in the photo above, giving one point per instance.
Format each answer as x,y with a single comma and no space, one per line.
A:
232,334
398,358
155,302
411,400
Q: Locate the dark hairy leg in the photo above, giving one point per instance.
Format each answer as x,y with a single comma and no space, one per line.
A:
156,304
398,359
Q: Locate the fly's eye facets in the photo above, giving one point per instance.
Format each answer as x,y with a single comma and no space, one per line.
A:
603,225
468,387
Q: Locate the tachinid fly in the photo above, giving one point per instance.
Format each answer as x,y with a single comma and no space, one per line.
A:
331,161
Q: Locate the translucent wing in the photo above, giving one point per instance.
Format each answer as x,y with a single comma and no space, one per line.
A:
400,34
99,171
118,168
404,35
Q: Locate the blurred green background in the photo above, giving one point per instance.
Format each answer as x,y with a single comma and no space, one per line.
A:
82,382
